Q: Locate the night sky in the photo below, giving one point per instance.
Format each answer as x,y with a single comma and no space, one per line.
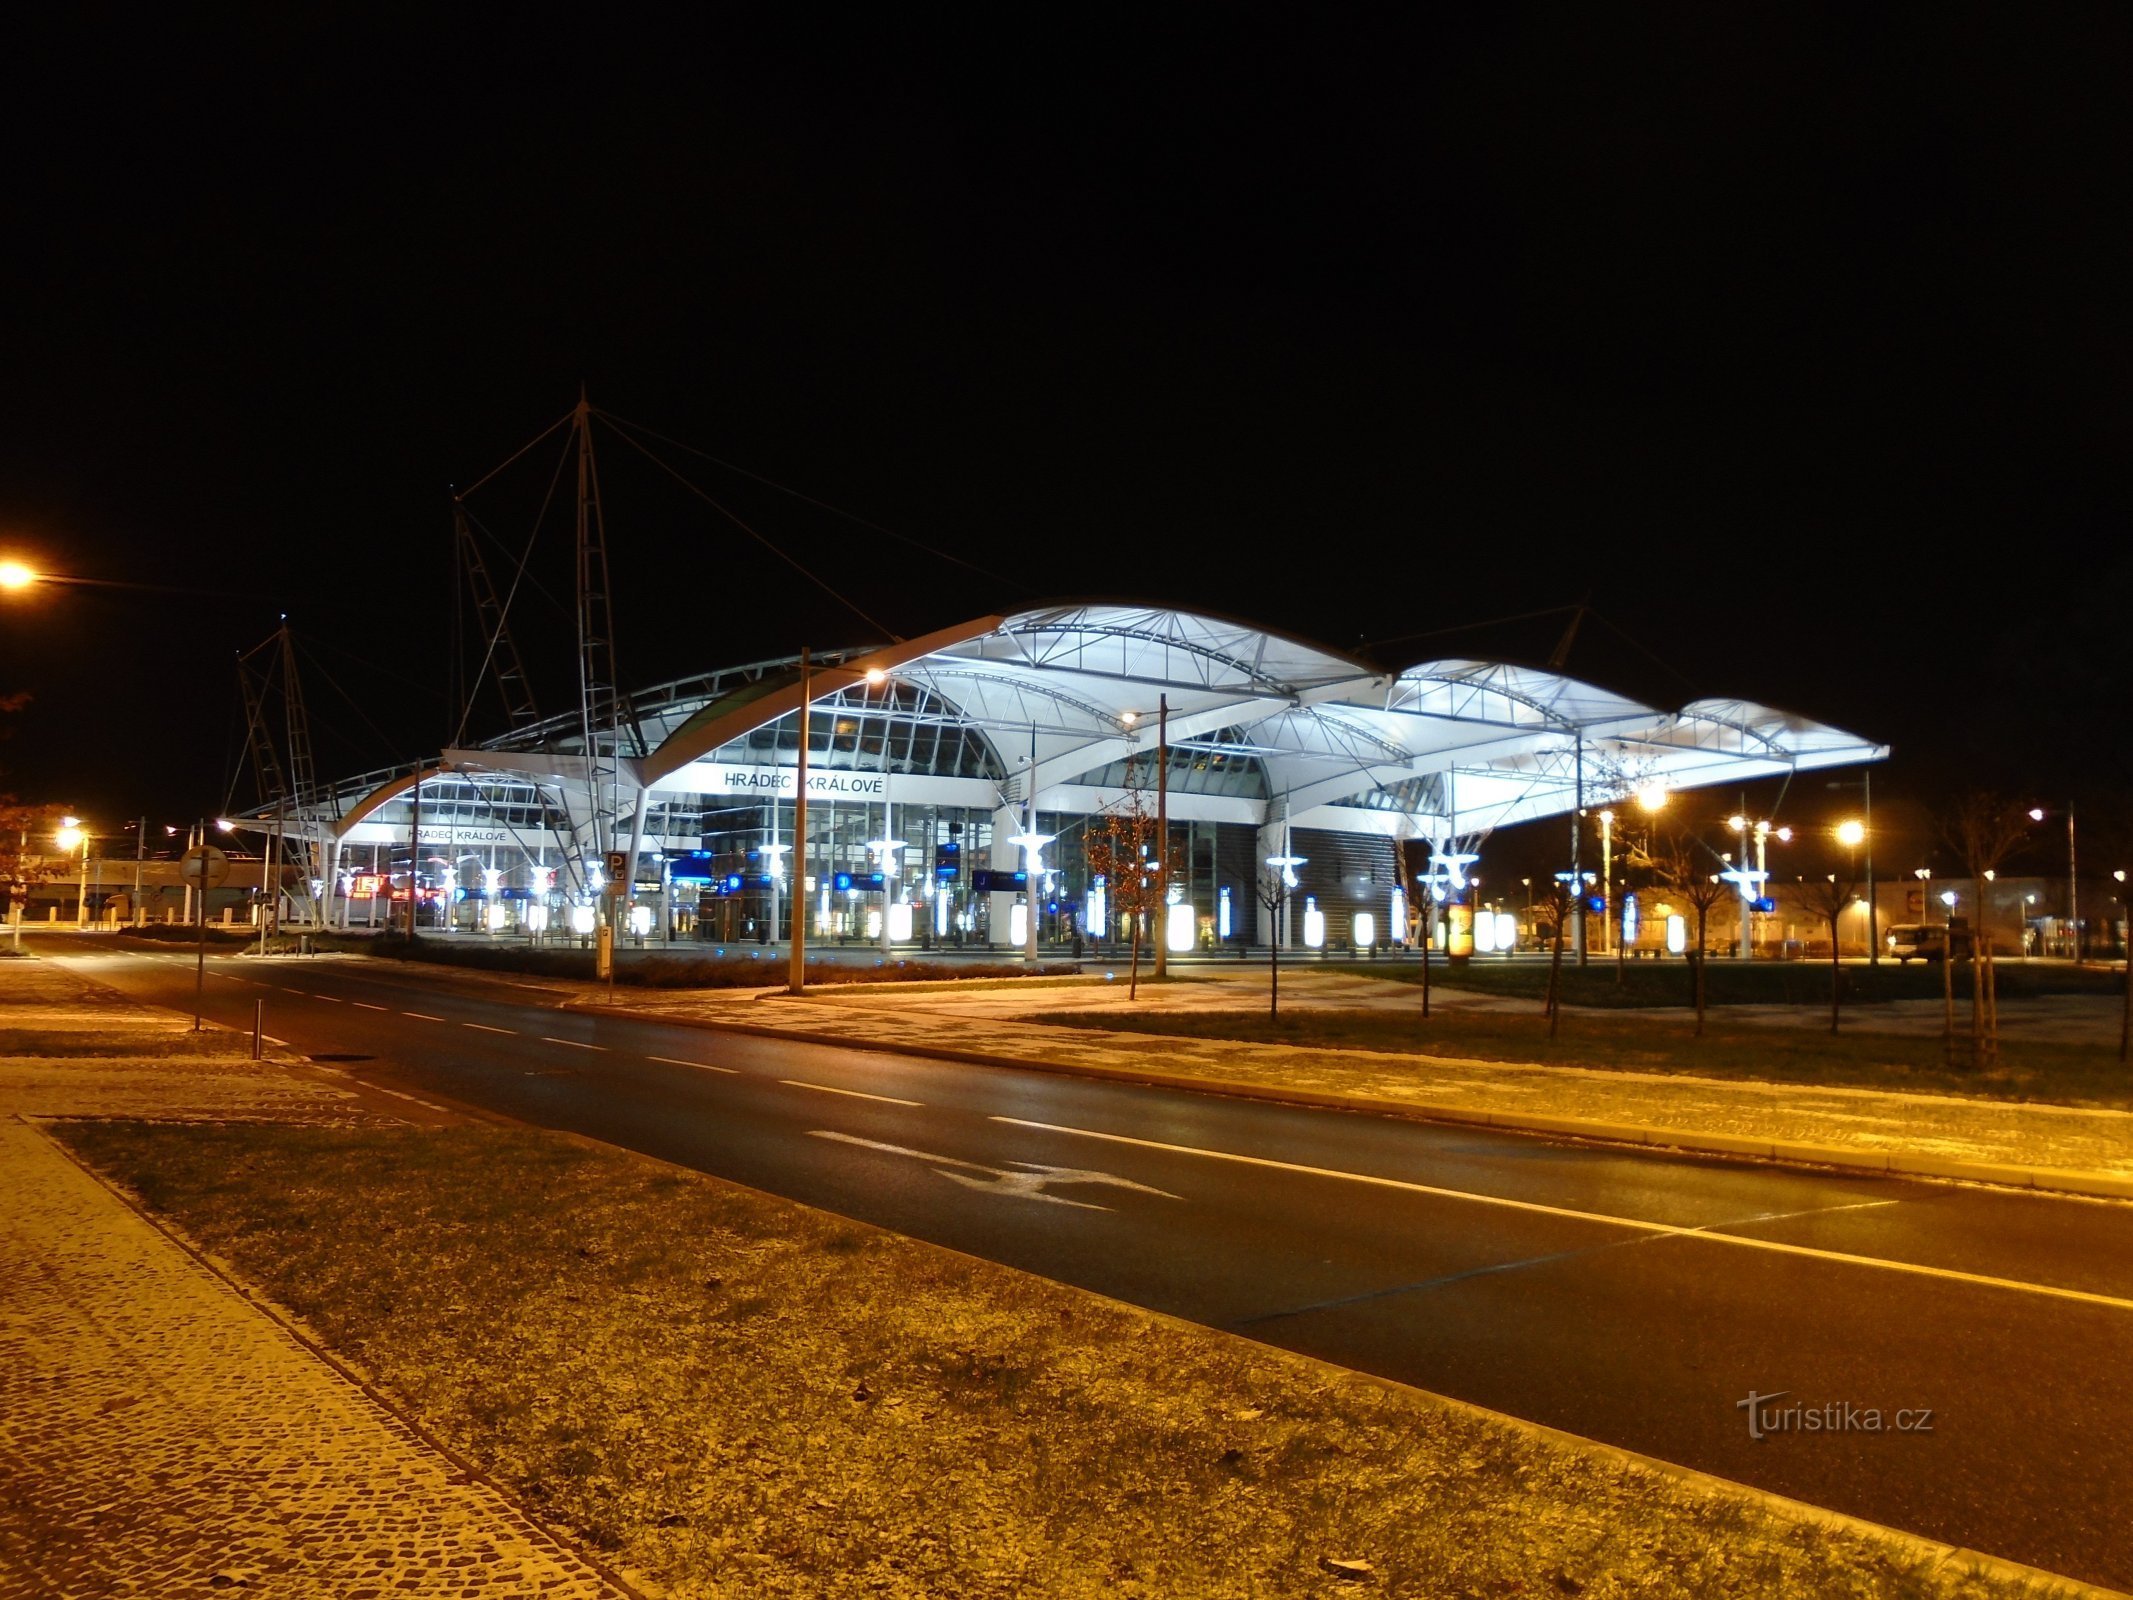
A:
1796,340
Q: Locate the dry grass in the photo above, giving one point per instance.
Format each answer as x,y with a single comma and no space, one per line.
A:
741,1396
2069,1074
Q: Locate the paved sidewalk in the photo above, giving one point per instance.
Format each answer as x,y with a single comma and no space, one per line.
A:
1753,1118
162,1436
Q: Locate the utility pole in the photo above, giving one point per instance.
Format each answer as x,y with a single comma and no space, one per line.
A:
796,975
414,855
1162,836
2073,889
140,854
1577,820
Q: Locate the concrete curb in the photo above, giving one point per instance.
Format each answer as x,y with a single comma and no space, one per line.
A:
2052,1180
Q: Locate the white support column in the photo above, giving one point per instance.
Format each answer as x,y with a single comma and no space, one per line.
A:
1003,857
1273,841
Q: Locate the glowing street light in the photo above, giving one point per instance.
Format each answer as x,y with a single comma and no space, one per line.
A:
874,678
1851,833
72,836
15,576
1652,798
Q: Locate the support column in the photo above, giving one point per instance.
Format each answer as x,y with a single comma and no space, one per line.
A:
1004,857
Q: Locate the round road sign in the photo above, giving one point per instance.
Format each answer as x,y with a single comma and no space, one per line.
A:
203,866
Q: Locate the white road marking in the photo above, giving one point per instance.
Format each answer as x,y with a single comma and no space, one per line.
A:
367,1006
856,1094
330,999
701,1066
421,1016
1658,1229
573,1043
1025,1184
485,1028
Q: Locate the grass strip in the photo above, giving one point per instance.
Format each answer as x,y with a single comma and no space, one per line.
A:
737,1395
2065,1074
1632,984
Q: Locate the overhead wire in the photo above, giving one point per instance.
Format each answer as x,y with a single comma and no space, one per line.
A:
820,583
823,505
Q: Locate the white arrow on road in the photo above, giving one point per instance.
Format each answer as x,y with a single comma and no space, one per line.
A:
1024,1180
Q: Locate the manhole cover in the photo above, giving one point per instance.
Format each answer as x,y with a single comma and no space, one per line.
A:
340,1058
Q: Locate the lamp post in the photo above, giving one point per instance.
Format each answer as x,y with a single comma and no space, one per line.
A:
2073,883
72,837
796,977
1851,833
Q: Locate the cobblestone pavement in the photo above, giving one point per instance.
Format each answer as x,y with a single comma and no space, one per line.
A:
1866,1119
160,1435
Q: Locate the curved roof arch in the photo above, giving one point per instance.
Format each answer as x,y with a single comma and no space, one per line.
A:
1063,693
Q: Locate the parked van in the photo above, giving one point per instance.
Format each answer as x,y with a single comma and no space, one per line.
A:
1928,941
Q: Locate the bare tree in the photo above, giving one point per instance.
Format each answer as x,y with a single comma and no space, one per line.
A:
1421,900
1684,865
1984,830
1554,910
1273,894
1116,846
1829,898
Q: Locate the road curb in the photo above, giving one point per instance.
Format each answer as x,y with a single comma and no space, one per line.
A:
2052,1180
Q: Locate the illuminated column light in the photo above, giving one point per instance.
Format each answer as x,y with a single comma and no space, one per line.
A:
1181,925
899,921
499,918
1017,923
640,920
1397,917
1485,932
537,918
581,919
1094,909
775,865
1222,913
1314,924
1365,930
1677,934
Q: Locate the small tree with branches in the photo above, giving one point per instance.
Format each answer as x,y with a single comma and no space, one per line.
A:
1273,893
1828,898
1553,910
1684,865
1984,830
1116,846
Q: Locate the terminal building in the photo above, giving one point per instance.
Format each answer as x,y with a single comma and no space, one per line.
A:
941,768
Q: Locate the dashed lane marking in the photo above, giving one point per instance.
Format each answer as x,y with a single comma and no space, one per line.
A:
575,1044
421,1016
856,1094
701,1066
485,1028
367,1006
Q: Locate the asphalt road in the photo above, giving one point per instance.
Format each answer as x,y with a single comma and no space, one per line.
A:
1629,1297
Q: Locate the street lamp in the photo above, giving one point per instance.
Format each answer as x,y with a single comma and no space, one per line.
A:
2073,883
796,978
14,575
72,836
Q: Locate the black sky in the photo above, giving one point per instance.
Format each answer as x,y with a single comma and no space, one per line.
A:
1796,338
